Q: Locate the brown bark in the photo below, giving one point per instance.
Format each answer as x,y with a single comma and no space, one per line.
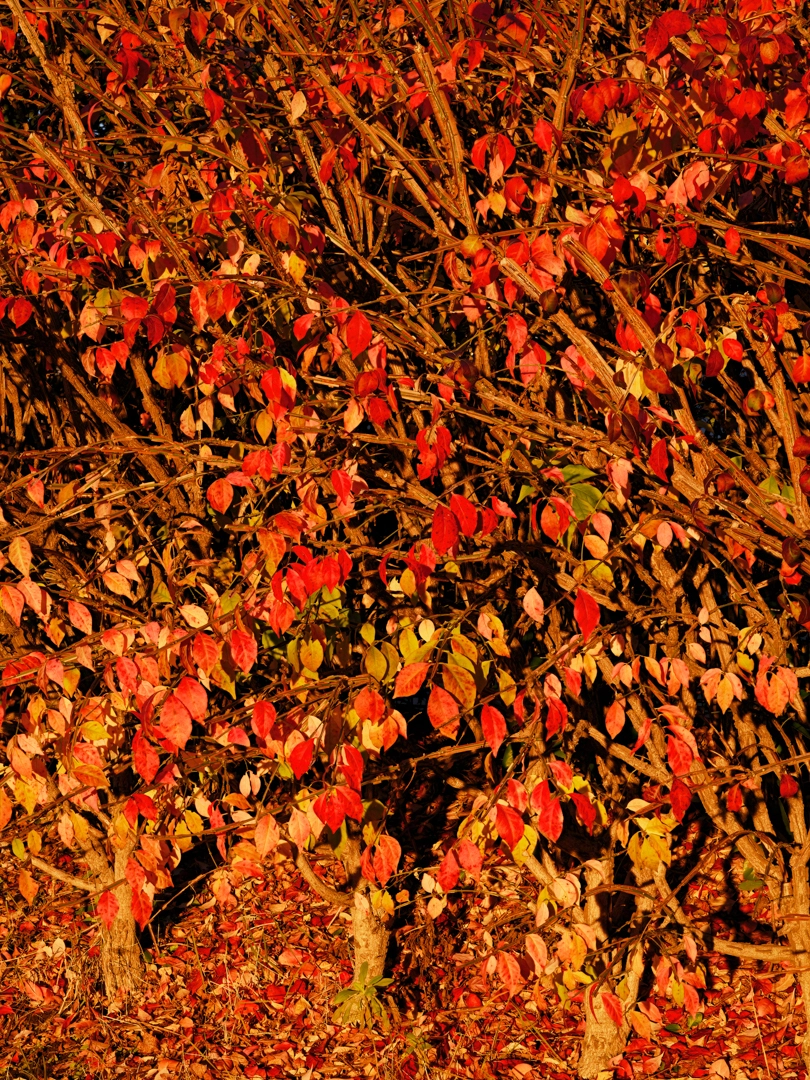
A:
121,961
370,939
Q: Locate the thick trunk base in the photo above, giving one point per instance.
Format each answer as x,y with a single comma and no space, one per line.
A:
121,960
602,1042
371,938
603,1039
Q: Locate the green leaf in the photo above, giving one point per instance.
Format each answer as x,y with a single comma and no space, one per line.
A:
573,473
585,500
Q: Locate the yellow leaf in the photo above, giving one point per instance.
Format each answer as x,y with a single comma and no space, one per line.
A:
296,268
376,664
28,887
34,842
311,654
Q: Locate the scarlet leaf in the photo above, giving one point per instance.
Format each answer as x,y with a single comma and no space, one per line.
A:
144,757
550,820
448,872
732,240
614,719
586,613
509,971
734,799
214,104
175,721
470,858
801,369
387,853
220,495
443,710
494,727
444,533
788,786
300,757
659,460
466,514
193,695
613,1007
107,908
141,907
410,679
679,755
680,797
243,649
358,334
509,824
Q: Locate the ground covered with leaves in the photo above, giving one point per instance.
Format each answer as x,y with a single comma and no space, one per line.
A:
248,991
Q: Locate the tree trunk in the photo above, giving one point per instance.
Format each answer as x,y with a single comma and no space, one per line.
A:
121,962
370,938
602,1041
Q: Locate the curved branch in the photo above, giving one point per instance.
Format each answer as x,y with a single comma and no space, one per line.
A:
326,892
60,875
747,951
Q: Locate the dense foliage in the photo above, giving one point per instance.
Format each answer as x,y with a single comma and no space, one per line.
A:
404,427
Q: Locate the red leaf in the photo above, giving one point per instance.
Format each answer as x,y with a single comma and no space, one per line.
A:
141,907
21,312
680,797
107,908
801,369
466,514
543,134
586,811
175,721
206,651
198,306
330,810
613,1007
614,719
444,533
732,240
358,334
509,971
80,617
550,820
494,727
679,755
470,858
243,649
509,824
586,613
443,710
144,757
788,786
734,799
410,679
199,24
214,104
220,495
194,697
387,852
448,872
659,460
300,757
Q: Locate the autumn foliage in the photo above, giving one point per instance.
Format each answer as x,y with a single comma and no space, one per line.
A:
391,391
